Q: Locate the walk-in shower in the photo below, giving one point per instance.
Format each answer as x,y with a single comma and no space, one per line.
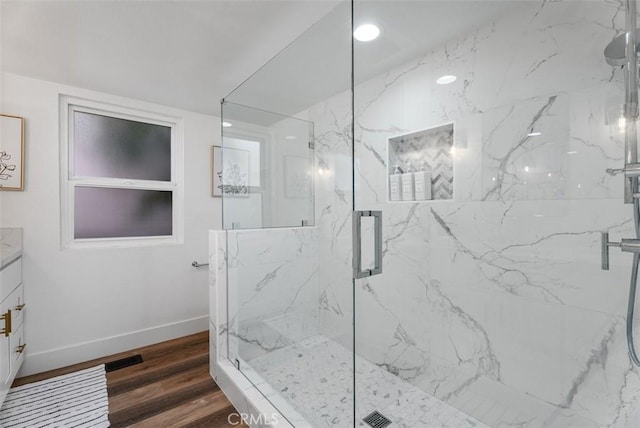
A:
414,224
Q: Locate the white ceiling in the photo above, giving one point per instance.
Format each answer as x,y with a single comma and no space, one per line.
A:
318,65
190,54
186,54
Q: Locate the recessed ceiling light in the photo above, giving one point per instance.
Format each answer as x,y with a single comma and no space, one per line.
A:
366,32
290,137
445,80
534,134
226,124
573,152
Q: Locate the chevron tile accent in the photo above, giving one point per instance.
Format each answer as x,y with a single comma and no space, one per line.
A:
431,146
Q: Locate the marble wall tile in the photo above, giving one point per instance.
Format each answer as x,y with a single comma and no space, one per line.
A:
277,245
244,337
217,299
523,148
334,205
271,279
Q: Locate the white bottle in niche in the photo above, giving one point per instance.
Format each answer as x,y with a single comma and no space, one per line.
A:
407,184
422,181
395,184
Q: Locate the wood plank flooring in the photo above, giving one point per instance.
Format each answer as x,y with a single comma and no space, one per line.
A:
172,388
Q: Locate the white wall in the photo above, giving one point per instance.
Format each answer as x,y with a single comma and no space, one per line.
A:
86,303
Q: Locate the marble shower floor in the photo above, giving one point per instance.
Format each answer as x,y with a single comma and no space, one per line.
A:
314,376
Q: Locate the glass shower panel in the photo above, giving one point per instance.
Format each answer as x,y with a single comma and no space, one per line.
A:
500,119
265,169
289,273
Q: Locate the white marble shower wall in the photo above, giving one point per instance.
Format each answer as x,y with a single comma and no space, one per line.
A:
334,205
500,288
270,277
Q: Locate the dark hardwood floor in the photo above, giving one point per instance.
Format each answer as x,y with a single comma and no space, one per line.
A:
171,388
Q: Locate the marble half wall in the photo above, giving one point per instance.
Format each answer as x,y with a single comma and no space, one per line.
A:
242,388
270,286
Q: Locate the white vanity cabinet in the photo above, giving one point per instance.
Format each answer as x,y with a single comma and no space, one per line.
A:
12,308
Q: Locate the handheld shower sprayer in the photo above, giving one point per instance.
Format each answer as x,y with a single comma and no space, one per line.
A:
623,52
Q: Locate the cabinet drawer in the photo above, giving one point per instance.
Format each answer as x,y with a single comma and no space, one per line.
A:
17,350
10,278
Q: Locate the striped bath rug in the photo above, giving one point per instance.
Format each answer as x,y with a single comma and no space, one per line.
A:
77,399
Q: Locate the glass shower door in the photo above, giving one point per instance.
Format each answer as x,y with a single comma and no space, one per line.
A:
483,132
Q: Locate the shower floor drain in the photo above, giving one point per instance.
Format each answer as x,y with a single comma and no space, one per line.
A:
377,420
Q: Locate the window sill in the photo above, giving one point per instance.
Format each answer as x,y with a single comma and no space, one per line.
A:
111,243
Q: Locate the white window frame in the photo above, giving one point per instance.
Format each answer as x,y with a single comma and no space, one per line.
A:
69,181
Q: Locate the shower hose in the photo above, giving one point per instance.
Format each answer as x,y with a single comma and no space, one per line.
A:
634,283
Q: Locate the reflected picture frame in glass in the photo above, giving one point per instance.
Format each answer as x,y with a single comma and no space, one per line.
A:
234,179
216,171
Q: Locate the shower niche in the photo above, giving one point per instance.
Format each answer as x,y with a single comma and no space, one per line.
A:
420,165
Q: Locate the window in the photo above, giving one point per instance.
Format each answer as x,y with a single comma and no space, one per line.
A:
120,183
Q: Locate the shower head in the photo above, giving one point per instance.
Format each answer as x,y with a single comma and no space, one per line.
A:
615,52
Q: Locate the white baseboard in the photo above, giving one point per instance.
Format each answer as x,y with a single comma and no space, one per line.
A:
78,353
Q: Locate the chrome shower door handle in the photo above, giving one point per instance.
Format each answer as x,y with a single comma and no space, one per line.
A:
357,243
377,216
604,250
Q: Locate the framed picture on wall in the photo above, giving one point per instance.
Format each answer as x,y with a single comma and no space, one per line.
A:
230,178
11,152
